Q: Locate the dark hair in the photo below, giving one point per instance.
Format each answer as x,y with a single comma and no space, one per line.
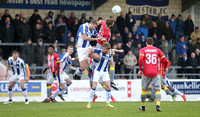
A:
99,18
14,51
149,40
51,46
109,22
70,46
94,22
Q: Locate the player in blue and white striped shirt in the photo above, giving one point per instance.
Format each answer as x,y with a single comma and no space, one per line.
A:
101,71
85,34
19,70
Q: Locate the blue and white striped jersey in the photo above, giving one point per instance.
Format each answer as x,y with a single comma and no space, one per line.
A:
18,66
102,65
65,61
84,29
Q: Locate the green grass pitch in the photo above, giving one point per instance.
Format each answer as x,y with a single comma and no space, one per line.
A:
78,109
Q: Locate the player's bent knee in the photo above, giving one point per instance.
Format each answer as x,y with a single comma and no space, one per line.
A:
162,86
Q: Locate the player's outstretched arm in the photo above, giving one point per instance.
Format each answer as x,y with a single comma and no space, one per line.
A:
85,37
8,67
116,50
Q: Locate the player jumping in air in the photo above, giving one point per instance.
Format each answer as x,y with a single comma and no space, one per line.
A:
149,60
19,70
83,38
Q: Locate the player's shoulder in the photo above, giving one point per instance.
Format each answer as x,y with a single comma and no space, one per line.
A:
10,58
55,54
21,60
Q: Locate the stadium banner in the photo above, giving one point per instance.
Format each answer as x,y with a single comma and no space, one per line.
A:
50,4
129,90
152,7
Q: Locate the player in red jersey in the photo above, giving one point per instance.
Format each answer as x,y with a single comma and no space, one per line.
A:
53,67
165,83
149,60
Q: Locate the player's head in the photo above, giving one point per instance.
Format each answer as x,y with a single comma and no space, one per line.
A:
15,54
149,41
70,49
93,25
106,48
109,22
50,49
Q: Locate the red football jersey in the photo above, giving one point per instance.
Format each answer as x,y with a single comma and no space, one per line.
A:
53,63
149,59
105,33
162,65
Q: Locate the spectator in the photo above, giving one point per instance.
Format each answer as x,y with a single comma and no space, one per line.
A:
168,33
143,41
197,54
127,47
16,23
74,27
82,21
51,17
181,47
164,46
34,18
194,62
136,41
8,36
73,43
154,30
160,22
69,34
118,38
121,23
147,20
6,14
24,31
50,33
63,51
62,16
125,35
136,50
130,21
190,47
130,61
90,19
113,40
56,48
194,35
182,62
179,28
142,29
114,28
21,15
28,53
130,37
188,27
37,33
197,45
84,16
118,58
39,52
172,23
1,21
156,41
71,21
45,23
134,32
61,30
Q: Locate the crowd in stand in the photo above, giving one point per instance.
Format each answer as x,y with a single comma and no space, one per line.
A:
125,35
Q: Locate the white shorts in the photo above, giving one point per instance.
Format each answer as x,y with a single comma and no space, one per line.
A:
50,78
62,77
16,78
100,76
165,81
98,46
82,53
